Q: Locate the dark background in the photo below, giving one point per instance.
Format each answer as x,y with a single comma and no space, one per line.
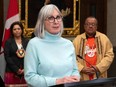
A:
34,7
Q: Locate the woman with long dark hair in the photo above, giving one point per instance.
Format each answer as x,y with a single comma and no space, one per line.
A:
14,50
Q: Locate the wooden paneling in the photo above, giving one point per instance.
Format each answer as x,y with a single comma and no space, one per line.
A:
96,8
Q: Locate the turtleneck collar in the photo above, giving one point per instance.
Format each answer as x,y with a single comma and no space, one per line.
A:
49,36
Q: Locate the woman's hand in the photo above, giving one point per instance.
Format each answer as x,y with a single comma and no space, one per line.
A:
67,79
20,72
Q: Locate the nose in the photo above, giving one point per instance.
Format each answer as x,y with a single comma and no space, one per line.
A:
90,25
55,20
17,29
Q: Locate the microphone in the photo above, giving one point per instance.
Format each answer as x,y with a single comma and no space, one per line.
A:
96,72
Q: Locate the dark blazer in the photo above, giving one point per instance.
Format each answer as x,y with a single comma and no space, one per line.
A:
1,82
13,62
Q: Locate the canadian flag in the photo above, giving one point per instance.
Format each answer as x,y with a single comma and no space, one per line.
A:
12,16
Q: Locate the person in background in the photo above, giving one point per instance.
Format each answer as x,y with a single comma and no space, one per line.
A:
95,48
50,59
14,51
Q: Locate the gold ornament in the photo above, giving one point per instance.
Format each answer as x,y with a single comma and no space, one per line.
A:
20,53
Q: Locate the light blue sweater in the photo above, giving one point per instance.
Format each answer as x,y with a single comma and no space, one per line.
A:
48,59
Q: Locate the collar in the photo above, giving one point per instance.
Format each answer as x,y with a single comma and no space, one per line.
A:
90,37
49,36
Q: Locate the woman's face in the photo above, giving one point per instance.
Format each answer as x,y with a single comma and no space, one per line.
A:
17,31
53,23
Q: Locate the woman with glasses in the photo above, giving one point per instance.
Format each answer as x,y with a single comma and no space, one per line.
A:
50,59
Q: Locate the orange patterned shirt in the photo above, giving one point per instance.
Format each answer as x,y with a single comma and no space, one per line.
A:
90,53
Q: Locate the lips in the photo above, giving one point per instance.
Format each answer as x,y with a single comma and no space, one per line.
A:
90,29
56,27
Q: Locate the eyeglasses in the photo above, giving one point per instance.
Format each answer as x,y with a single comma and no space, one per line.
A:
51,19
92,24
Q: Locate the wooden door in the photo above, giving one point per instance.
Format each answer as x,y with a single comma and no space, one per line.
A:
96,8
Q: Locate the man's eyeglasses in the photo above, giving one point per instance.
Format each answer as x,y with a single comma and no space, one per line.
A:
92,24
51,19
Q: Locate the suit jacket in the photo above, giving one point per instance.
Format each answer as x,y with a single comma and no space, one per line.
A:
13,62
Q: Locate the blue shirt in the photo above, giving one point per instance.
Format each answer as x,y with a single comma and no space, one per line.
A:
48,59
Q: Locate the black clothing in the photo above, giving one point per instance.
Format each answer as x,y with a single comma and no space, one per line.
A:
13,62
1,82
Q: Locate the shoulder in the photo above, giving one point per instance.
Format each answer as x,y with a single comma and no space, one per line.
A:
34,41
101,35
78,37
8,43
104,38
25,40
66,40
81,35
10,40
